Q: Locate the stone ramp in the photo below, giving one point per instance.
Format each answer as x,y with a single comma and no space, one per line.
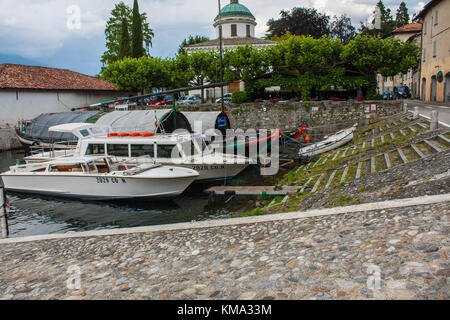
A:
388,250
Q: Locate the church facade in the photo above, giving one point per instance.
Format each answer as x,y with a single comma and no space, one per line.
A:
238,29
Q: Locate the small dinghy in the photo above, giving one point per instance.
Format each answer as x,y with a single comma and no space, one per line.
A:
332,141
98,178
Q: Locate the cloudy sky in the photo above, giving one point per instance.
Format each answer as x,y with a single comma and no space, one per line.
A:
44,31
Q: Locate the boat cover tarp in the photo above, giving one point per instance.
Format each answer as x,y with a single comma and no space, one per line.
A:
206,120
144,121
38,127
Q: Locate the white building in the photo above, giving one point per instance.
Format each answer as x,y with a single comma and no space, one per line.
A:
28,91
238,29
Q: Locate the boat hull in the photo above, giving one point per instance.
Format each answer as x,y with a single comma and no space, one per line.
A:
331,143
96,187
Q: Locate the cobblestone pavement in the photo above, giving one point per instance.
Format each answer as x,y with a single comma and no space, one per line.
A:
397,253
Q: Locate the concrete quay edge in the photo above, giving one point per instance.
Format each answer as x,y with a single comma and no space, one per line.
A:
397,203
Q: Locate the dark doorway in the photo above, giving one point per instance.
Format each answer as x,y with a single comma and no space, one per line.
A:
424,89
433,88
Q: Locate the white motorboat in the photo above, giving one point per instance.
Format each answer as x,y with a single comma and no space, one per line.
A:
332,141
183,150
98,178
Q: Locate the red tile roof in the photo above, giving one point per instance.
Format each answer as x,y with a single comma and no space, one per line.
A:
410,27
16,76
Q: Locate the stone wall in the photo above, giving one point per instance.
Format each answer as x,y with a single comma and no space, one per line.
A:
320,117
8,139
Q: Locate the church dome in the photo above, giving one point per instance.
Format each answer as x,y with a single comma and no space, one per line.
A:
235,9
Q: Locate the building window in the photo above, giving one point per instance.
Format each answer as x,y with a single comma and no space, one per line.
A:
233,30
248,30
434,49
425,28
436,17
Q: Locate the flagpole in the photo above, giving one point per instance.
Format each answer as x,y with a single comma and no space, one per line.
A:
221,51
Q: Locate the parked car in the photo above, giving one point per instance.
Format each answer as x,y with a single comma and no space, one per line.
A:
226,98
155,100
402,92
387,95
194,99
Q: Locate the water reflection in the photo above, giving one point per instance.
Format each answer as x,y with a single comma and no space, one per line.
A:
35,215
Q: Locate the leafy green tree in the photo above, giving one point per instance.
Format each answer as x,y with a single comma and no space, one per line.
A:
402,16
202,68
113,32
342,28
299,21
191,40
138,74
314,62
137,48
125,45
369,56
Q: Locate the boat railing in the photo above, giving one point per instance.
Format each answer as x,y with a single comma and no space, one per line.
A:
54,151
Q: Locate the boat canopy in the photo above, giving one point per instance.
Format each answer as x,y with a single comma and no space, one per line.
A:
157,121
81,130
38,127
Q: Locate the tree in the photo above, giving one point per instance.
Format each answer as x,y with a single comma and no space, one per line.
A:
137,48
138,74
342,28
402,16
125,45
370,56
203,67
387,22
300,21
191,40
113,32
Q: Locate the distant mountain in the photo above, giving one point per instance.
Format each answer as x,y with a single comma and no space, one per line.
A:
16,59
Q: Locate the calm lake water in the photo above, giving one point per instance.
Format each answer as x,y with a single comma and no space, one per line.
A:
36,215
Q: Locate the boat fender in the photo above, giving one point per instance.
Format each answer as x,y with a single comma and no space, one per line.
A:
307,139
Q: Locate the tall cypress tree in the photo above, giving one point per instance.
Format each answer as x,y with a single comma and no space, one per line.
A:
402,16
125,45
137,48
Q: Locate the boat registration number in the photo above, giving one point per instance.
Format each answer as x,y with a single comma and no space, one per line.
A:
212,167
110,180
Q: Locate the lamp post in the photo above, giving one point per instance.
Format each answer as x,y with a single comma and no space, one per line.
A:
221,50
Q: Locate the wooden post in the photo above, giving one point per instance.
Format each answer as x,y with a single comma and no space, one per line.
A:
434,122
3,217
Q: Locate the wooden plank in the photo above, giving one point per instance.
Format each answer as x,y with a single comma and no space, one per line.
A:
306,184
253,190
416,150
330,179
382,139
422,125
435,148
388,161
412,129
344,174
401,132
316,185
336,154
364,145
373,143
444,138
402,155
358,170
372,165
392,136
